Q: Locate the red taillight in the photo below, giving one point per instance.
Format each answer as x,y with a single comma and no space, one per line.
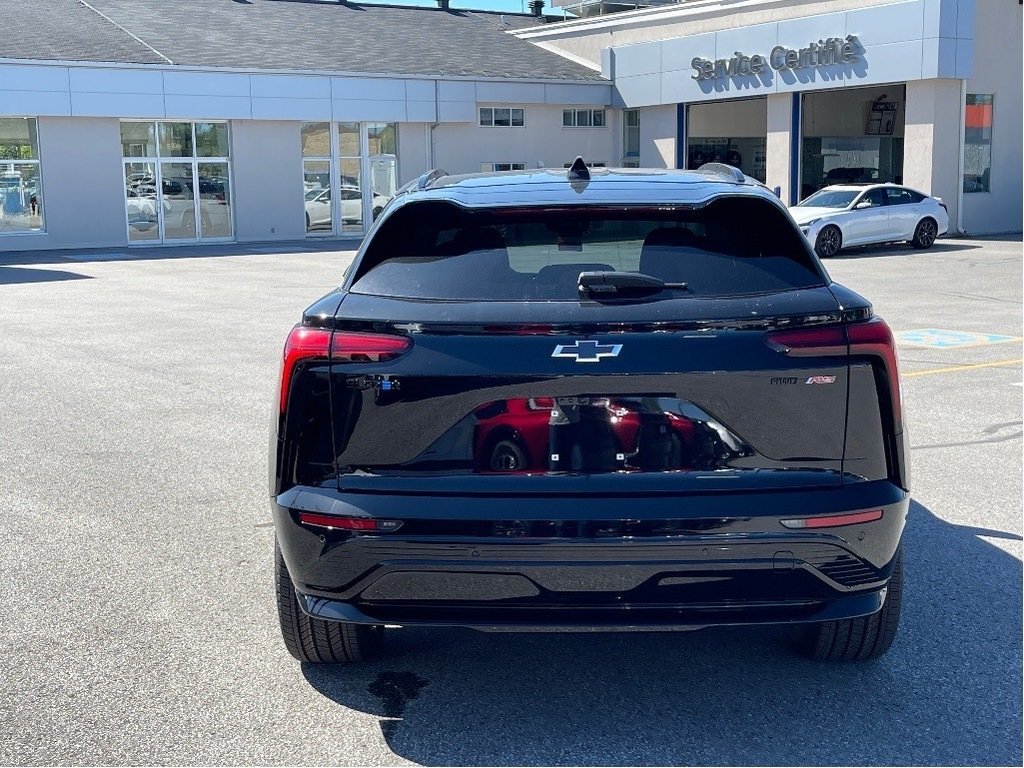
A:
303,344
833,521
875,338
809,342
317,343
348,523
367,347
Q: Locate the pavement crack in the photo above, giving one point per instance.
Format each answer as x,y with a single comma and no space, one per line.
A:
1015,434
982,297
992,428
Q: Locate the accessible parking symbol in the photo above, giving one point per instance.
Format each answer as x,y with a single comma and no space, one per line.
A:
937,338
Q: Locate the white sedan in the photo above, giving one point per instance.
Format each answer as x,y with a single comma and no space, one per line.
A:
857,214
318,207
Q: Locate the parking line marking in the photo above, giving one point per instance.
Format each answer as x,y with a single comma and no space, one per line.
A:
952,368
938,338
1007,340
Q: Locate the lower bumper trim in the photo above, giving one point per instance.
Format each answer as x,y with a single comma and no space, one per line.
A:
595,617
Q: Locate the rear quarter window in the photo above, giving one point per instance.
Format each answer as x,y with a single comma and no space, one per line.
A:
437,250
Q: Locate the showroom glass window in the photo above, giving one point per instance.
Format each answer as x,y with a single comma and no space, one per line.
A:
316,177
382,150
631,138
978,143
21,191
177,178
350,170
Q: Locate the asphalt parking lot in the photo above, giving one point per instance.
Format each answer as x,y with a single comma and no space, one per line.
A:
139,624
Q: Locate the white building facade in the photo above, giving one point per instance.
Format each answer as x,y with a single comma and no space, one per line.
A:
803,94
798,94
137,155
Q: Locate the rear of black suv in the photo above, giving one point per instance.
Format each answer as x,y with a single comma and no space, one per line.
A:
635,402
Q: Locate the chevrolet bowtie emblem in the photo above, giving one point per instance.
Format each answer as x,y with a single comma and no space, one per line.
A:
587,351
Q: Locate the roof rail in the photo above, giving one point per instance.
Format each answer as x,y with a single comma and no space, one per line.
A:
422,182
429,178
727,172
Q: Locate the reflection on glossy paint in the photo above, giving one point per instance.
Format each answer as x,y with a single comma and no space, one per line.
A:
588,434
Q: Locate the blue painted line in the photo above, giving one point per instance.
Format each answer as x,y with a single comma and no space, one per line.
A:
939,338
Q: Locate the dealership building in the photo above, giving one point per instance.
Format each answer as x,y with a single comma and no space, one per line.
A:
130,123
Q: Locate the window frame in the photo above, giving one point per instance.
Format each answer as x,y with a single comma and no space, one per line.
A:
492,167
490,120
329,160
991,104
630,159
195,160
365,160
574,113
37,162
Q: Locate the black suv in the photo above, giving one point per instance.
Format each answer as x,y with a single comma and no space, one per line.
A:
588,400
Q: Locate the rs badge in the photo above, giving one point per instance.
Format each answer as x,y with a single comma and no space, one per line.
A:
821,380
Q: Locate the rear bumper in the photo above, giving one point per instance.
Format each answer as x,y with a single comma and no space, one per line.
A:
593,563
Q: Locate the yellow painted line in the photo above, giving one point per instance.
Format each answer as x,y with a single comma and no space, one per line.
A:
952,368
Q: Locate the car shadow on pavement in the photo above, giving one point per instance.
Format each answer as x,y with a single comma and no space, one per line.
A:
16,275
900,249
198,251
947,693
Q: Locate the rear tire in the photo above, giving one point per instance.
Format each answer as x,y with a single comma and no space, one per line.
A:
925,233
829,242
507,456
863,638
315,640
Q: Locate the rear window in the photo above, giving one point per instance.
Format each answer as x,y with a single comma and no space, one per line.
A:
436,250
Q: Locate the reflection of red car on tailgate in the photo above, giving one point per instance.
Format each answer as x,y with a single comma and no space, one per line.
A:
589,434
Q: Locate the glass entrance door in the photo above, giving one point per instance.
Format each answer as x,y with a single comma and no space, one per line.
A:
141,202
178,201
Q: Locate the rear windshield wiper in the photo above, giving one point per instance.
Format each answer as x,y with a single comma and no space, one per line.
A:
596,285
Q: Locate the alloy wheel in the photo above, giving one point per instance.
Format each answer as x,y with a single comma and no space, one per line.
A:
829,242
926,232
